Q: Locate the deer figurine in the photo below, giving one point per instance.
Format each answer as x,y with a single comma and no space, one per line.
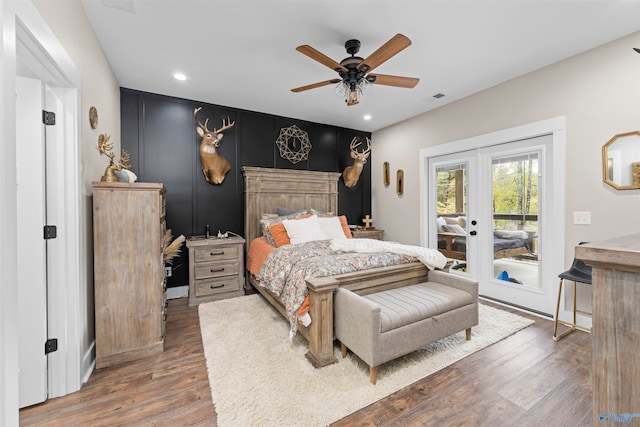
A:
214,166
351,174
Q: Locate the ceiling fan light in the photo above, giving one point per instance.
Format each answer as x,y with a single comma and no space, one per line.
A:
364,86
352,98
341,89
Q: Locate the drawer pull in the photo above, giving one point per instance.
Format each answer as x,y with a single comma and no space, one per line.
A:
217,270
216,253
217,286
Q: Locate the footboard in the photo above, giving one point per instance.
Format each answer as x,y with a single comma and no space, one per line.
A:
320,332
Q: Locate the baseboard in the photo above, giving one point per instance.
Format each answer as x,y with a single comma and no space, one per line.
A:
89,362
178,292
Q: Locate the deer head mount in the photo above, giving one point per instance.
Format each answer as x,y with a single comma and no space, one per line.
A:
214,166
351,174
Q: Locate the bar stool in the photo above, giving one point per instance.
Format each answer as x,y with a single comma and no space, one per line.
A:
579,272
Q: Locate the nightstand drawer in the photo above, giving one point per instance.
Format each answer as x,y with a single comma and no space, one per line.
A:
215,253
216,270
209,287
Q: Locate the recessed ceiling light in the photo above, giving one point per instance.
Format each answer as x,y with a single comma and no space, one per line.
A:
367,117
179,76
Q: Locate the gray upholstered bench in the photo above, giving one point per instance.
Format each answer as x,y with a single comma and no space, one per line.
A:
385,325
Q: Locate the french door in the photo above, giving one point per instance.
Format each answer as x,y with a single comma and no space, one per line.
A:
488,209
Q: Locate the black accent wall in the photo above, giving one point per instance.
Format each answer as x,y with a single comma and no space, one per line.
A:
159,132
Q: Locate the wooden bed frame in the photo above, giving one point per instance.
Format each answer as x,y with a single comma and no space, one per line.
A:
266,190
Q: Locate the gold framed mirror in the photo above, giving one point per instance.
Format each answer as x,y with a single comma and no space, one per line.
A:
621,161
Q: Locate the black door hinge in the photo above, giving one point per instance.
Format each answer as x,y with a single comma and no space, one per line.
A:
50,345
50,232
48,118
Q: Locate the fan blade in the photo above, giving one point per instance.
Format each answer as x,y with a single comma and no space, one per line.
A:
315,85
320,57
384,52
384,79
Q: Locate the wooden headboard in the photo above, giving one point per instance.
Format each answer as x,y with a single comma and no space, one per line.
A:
266,189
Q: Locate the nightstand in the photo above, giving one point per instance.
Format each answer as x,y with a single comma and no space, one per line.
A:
216,268
367,234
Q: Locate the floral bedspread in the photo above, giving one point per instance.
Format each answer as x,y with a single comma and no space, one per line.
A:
286,269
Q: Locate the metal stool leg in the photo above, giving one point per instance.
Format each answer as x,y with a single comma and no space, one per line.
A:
572,327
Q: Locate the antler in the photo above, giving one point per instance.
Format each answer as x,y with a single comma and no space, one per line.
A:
229,125
195,115
125,160
353,146
104,147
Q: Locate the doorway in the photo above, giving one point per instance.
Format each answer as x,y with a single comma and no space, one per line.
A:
494,205
32,53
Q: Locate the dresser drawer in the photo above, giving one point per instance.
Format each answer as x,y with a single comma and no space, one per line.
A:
215,286
216,270
217,253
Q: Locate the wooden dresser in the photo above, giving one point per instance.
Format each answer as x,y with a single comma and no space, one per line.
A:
129,277
216,268
615,338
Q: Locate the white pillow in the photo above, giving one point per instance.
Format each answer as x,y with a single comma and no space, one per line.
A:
303,230
510,234
441,223
331,227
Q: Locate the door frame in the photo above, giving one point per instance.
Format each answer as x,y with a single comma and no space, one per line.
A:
26,38
554,255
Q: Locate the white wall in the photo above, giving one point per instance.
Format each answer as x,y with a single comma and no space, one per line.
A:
599,94
101,90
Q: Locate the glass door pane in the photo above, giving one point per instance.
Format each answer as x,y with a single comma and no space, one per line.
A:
515,219
451,213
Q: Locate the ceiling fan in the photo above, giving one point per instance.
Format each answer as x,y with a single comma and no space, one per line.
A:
354,71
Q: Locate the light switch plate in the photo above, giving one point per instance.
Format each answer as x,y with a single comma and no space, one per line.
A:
582,218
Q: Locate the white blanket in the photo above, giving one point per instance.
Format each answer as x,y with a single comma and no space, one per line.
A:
432,258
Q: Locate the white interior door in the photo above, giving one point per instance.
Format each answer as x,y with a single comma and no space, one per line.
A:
31,246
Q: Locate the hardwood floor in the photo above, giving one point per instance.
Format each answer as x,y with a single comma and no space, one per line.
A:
524,380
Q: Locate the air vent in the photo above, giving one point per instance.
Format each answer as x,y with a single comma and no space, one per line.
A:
438,95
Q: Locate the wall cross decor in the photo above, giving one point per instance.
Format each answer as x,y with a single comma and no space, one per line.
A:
293,144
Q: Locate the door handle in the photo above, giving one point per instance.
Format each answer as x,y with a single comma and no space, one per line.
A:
473,233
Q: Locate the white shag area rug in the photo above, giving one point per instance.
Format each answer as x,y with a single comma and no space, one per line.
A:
260,378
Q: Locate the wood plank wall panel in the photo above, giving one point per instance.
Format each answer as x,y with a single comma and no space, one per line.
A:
160,134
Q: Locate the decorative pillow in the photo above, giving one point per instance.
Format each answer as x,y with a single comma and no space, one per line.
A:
320,212
279,234
265,223
462,221
450,220
331,227
453,228
510,234
303,230
288,211
441,223
345,227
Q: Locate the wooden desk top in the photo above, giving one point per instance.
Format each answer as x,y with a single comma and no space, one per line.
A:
620,252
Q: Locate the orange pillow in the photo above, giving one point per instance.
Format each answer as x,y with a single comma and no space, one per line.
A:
279,234
345,227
